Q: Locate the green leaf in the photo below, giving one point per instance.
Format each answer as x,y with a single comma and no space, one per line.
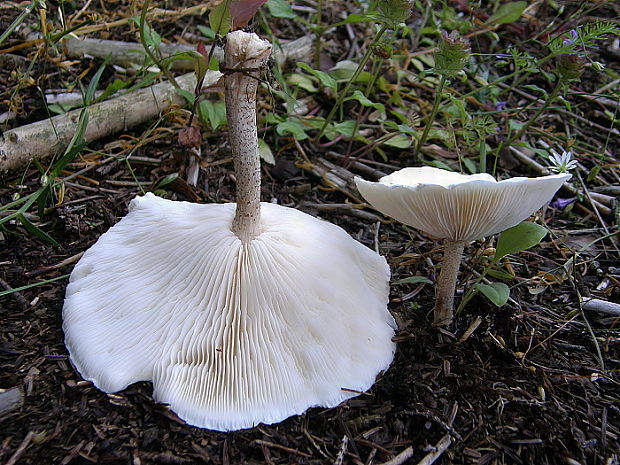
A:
508,13
515,125
345,128
361,98
112,88
325,79
302,81
280,9
354,18
496,292
32,229
293,127
470,166
265,152
187,95
219,19
94,83
593,173
167,180
206,31
535,88
414,280
60,108
212,113
518,238
400,141
500,274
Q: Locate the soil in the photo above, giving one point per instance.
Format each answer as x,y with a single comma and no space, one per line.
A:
533,382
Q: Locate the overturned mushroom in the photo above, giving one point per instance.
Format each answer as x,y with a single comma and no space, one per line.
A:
238,313
457,208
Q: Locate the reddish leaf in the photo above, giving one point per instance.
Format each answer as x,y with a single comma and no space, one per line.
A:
241,11
190,136
202,49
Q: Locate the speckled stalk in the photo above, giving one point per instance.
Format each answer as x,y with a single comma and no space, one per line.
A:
444,302
247,53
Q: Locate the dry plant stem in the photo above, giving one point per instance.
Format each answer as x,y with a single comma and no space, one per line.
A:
247,53
444,303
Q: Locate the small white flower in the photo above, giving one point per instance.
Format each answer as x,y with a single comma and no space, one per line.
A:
563,163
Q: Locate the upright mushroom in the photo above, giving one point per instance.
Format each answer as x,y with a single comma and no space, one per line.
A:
457,208
238,313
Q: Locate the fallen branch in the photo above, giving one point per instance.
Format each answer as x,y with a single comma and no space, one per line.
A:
10,399
51,136
601,306
127,53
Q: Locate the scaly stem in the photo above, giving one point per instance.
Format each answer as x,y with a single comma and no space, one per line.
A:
247,53
444,302
429,123
342,95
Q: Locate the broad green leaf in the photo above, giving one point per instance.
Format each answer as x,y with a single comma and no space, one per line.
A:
280,9
206,31
151,37
365,101
293,127
302,81
219,18
400,141
470,166
112,88
496,292
325,79
265,152
518,238
345,128
212,113
515,125
187,95
507,13
414,280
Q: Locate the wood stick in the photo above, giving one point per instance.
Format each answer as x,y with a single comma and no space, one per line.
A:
10,399
127,53
51,136
440,448
602,306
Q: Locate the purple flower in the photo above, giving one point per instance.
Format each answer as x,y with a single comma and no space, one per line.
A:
571,41
560,203
501,106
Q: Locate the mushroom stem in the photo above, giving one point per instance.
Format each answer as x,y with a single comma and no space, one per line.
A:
444,302
248,54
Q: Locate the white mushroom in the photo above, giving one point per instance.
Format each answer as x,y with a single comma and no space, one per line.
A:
240,313
457,208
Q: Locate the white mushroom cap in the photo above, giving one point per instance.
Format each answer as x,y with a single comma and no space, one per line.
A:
455,206
231,334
